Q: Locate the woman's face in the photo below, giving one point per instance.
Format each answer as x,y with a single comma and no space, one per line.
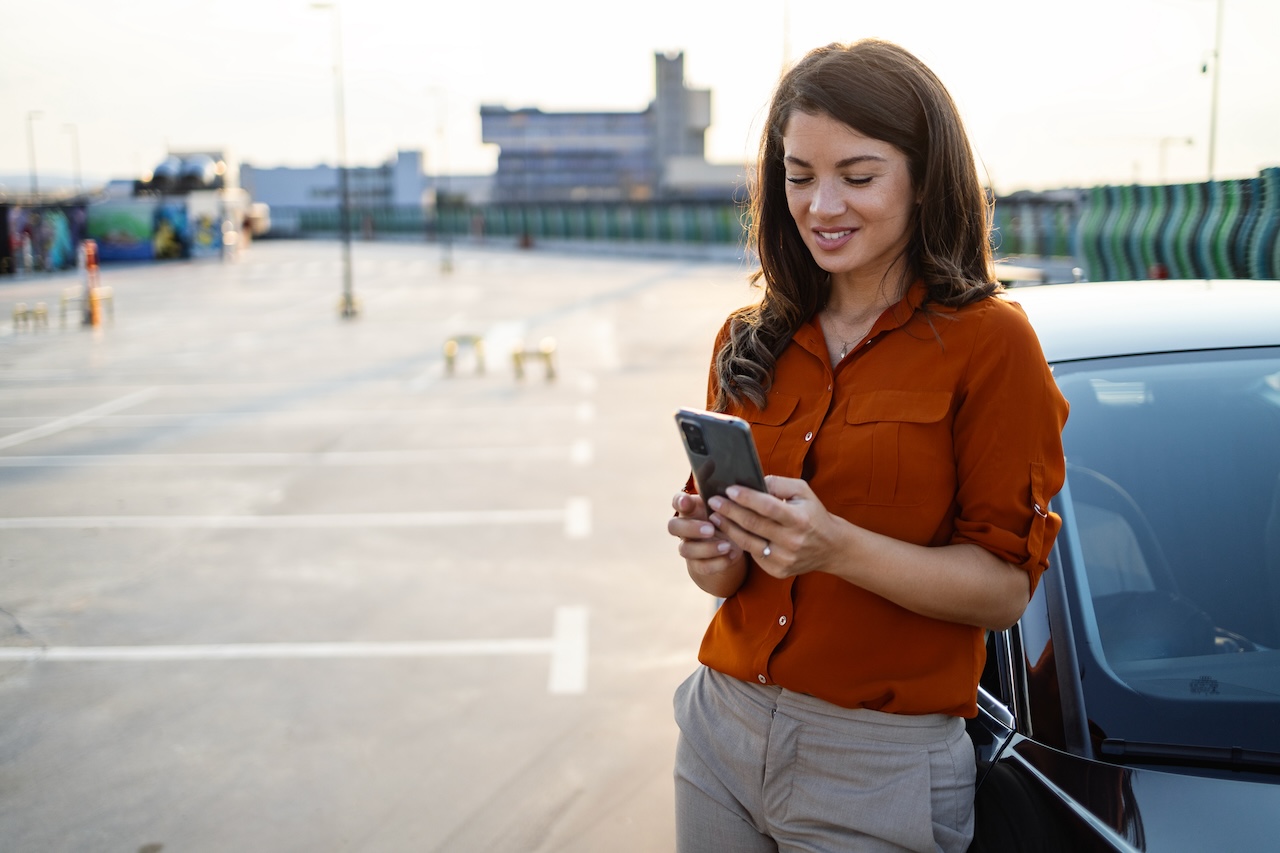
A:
850,196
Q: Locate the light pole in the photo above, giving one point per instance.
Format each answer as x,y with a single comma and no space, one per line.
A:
75,151
348,307
442,180
1213,100
32,115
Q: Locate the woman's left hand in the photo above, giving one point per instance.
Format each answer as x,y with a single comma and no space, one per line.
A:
787,531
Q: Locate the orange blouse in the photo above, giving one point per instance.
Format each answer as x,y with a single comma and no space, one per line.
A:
942,426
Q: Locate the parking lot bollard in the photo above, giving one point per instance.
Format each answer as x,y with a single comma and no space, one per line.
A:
454,345
544,353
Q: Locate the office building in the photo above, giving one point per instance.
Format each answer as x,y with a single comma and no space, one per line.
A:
658,153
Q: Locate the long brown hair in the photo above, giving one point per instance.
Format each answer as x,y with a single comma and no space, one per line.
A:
884,92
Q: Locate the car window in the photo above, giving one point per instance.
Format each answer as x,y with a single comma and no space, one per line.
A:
1172,529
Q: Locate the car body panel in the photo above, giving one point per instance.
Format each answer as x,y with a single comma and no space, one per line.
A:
1041,786
1100,319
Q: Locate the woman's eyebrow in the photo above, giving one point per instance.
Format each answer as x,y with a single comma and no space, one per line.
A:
848,161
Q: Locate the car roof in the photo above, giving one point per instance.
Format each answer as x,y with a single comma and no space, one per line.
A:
1100,319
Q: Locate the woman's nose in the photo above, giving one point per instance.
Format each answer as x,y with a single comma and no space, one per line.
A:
827,199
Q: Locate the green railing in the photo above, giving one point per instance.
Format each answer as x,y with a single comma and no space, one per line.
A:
1220,229
1217,229
660,222
1034,228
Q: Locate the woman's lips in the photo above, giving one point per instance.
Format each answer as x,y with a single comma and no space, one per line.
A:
829,240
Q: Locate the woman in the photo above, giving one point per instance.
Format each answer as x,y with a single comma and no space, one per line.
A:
911,434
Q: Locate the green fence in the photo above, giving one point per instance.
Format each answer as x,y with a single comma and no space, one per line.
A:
1217,229
1034,226
681,222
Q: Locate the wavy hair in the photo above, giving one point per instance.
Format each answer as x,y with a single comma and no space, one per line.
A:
884,92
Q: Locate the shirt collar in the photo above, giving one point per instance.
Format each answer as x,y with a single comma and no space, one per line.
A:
895,316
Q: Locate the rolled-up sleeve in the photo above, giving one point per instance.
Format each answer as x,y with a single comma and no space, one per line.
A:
1008,440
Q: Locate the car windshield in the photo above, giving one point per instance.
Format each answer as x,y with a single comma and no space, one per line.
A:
1171,544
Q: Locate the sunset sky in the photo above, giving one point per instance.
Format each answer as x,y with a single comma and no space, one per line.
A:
1054,94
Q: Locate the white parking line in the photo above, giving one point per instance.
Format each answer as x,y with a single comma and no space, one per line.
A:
575,516
461,415
77,419
579,453
569,653
568,648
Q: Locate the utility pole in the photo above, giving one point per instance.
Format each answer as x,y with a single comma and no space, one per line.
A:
348,308
442,179
32,115
75,152
1213,100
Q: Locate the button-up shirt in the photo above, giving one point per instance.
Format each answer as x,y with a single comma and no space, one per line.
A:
942,426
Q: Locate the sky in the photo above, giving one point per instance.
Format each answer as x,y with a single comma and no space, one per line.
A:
1053,94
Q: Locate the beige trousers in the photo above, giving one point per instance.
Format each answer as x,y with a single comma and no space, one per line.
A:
765,769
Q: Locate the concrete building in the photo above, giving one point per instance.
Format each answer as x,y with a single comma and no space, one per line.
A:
610,156
399,182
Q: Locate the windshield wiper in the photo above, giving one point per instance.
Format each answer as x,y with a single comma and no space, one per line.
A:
1228,757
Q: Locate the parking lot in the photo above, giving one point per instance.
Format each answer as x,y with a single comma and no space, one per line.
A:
272,580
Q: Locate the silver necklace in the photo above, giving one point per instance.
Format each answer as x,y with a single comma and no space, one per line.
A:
844,345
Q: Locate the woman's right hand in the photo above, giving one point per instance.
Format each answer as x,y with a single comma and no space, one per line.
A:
715,564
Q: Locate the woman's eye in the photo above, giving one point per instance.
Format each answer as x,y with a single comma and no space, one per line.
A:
798,180
858,182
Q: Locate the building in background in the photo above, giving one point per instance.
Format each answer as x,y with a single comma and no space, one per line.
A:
656,154
399,182
398,190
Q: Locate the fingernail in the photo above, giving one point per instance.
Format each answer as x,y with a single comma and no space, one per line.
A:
706,530
732,492
716,502
723,547
714,519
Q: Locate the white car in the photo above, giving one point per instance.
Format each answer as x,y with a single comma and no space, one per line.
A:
1136,705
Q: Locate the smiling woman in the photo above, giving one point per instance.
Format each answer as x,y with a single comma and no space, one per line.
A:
853,203
879,373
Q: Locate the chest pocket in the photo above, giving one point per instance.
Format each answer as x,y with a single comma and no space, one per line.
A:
896,446
767,425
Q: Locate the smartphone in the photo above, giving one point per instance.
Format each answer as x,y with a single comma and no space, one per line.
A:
720,450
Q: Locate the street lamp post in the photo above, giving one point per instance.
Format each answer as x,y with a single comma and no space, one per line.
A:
348,307
442,181
75,152
32,115
1213,100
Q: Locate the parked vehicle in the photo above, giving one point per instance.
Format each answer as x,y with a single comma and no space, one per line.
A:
1136,705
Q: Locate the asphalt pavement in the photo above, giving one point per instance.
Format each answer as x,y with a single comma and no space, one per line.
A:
271,580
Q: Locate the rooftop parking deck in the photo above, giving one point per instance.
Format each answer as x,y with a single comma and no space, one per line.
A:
273,580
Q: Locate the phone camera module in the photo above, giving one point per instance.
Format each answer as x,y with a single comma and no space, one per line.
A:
693,435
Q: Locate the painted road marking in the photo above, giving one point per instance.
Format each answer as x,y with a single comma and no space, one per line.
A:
569,652
568,648
339,417
579,453
71,421
575,516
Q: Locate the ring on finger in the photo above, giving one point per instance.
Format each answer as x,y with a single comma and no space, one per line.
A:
767,550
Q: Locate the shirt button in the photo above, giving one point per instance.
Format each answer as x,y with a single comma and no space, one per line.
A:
808,436
782,620
763,680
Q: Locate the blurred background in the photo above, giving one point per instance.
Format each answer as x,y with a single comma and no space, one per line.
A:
550,121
